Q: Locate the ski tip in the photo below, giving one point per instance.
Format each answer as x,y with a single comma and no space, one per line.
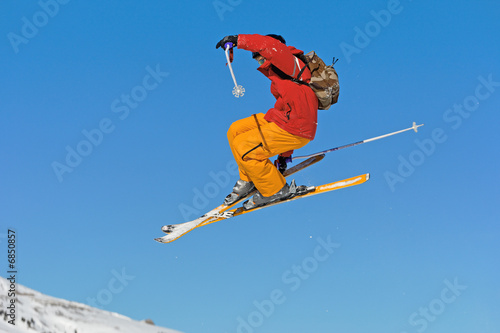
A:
164,239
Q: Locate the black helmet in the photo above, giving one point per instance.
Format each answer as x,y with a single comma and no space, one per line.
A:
277,37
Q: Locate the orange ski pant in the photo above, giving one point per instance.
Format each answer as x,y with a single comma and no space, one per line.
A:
253,141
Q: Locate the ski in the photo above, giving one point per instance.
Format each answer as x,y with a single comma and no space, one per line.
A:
175,231
303,192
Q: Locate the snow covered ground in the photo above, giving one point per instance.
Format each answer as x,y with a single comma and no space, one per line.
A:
36,312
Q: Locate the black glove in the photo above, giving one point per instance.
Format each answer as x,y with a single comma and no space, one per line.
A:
228,39
281,162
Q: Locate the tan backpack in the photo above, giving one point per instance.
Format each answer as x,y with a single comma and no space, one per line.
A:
324,79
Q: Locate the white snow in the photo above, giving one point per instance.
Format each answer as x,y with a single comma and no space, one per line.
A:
36,312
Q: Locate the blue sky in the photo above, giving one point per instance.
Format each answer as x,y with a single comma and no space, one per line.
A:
139,90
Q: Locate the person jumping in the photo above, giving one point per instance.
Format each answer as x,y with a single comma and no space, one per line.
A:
289,125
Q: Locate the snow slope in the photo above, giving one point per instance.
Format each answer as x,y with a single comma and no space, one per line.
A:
36,312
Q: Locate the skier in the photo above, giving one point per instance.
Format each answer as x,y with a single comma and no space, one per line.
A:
289,125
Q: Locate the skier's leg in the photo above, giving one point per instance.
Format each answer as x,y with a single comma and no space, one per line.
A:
237,128
244,185
253,156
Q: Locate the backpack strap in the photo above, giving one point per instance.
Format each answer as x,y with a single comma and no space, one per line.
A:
301,71
285,76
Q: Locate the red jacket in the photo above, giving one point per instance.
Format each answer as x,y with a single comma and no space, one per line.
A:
296,107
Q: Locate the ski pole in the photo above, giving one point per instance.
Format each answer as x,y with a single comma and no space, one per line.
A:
238,90
414,127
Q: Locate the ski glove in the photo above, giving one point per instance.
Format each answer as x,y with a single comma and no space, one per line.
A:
228,39
281,162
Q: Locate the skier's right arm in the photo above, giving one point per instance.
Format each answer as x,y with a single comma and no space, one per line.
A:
271,49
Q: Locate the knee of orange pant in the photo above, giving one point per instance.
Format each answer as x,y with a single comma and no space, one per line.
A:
233,132
230,133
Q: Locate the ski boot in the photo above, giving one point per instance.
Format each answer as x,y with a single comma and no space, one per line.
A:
259,200
240,190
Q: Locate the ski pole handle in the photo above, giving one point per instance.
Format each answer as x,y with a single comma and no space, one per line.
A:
228,45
